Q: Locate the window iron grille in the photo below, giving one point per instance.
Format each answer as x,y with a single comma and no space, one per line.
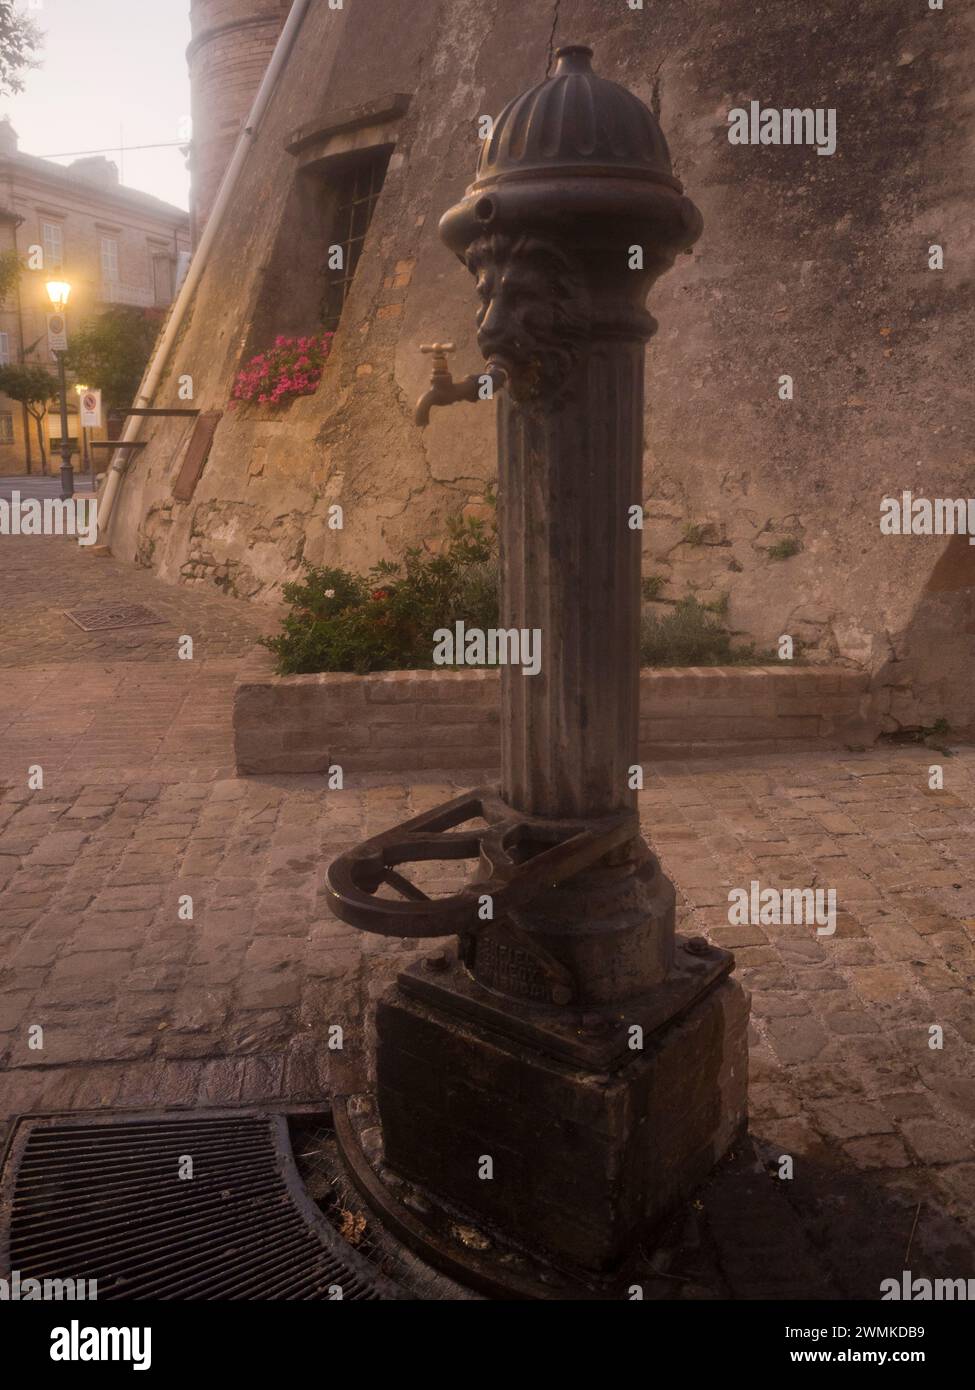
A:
356,194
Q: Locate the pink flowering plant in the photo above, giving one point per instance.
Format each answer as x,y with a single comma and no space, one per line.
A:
292,367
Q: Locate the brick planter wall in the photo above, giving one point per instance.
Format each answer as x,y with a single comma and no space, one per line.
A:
405,721
714,709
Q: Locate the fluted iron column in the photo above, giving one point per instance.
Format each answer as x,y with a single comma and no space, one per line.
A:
568,477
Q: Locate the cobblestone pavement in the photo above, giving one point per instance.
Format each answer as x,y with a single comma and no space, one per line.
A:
140,811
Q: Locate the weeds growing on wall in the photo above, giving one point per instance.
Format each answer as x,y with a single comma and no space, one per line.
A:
785,548
694,635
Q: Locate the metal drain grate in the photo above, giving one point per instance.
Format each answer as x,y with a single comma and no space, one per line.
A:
104,616
102,1198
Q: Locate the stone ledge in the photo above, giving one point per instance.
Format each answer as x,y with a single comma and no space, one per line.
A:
406,721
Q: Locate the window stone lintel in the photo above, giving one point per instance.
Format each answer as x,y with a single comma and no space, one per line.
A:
359,127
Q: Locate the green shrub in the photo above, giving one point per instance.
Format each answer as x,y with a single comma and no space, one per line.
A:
692,635
385,620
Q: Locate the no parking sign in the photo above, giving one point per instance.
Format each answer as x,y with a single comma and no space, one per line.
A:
57,333
91,408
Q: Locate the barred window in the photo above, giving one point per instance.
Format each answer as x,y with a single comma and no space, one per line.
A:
6,427
356,193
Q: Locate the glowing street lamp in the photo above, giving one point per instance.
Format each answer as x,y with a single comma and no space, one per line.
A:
59,292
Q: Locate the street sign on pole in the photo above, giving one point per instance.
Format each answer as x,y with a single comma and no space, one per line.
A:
91,409
57,334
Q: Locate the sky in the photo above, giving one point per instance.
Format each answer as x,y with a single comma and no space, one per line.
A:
108,65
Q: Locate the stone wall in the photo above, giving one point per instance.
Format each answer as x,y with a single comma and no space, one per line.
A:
406,721
811,266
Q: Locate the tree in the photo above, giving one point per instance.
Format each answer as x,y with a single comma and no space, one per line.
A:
19,40
111,353
10,268
33,387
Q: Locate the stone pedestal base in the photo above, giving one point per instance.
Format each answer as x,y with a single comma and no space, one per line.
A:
583,1162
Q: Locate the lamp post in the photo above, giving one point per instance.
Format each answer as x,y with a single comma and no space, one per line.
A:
59,292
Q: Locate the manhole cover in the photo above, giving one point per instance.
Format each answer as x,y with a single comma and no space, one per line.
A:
194,1206
103,616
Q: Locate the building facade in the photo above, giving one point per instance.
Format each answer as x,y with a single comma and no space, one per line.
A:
113,245
813,354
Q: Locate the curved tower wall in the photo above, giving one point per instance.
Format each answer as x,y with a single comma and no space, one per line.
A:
231,46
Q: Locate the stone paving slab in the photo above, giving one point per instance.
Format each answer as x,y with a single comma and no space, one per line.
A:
141,1003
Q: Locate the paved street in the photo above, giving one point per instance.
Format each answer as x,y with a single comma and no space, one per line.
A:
42,485
140,811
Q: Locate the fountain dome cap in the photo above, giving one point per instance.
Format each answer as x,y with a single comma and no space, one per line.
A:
575,121
580,158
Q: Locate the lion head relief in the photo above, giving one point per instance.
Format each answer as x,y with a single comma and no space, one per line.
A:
534,313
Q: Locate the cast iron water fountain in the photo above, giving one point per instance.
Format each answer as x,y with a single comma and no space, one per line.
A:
594,1057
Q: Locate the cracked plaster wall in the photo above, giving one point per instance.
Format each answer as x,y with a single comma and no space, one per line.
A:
812,266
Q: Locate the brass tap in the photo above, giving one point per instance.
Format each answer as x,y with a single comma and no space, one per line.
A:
444,390
439,351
